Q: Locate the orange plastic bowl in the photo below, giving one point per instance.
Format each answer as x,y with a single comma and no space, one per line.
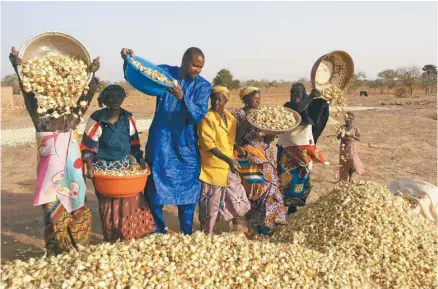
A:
120,187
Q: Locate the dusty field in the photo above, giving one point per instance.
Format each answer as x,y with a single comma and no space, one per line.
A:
399,141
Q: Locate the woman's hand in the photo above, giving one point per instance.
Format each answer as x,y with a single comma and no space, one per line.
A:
95,65
14,58
143,164
126,51
234,166
315,93
90,169
241,151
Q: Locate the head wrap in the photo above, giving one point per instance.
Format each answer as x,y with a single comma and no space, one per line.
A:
247,90
223,90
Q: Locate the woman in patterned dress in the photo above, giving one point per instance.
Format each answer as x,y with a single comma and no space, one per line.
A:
110,143
267,208
297,149
349,162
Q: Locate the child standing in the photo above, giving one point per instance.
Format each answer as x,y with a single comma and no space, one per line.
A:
349,162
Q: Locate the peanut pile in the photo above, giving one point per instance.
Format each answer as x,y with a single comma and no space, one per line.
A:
154,74
356,236
272,117
123,173
329,77
58,82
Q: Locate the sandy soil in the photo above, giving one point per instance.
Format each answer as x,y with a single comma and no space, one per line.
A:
397,142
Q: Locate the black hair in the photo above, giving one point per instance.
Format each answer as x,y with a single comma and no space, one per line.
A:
111,94
188,55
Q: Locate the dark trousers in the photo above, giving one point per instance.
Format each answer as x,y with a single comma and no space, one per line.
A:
185,216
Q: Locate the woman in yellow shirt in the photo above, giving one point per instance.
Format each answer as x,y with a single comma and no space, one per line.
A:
222,195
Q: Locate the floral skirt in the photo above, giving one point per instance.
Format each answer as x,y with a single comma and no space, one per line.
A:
222,203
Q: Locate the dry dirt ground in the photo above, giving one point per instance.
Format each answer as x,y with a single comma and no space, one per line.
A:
399,141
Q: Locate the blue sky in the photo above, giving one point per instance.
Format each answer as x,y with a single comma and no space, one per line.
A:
255,40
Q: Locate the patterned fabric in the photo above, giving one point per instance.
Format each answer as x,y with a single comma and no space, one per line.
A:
348,156
294,176
104,140
63,230
106,165
59,170
125,218
222,203
172,148
267,208
252,173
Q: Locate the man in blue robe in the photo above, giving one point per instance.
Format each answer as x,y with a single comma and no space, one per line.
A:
172,147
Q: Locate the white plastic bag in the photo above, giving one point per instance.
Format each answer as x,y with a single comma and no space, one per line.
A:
423,192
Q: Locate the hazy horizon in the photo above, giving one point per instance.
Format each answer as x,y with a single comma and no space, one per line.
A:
254,40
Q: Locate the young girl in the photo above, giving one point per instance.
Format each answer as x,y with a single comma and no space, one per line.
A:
223,197
349,161
110,143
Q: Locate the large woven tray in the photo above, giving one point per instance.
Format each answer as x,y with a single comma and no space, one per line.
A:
345,58
57,44
278,132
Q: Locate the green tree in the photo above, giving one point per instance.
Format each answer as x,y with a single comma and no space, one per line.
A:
12,81
357,80
225,78
429,78
409,77
376,84
389,78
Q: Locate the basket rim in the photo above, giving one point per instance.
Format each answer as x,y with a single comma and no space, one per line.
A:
350,67
128,59
58,33
97,175
297,123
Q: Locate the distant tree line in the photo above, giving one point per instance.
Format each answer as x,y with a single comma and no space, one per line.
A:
388,80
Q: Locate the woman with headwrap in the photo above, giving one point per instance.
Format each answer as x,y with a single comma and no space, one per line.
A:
111,143
222,195
297,149
258,169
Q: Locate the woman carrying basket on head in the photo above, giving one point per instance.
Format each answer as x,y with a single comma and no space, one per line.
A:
258,169
111,143
222,195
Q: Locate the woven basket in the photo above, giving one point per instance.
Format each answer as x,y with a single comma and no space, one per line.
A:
278,132
345,58
54,43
